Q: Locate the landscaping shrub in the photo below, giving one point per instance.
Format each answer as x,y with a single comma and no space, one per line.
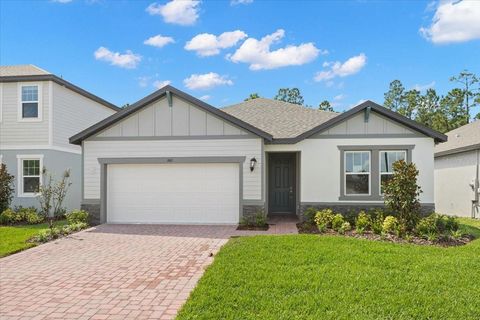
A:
52,193
390,225
77,216
32,217
436,224
401,194
258,219
6,188
350,216
345,227
7,216
337,222
78,226
362,222
377,218
323,219
55,232
309,215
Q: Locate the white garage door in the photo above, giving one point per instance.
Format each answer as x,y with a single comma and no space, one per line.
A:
173,193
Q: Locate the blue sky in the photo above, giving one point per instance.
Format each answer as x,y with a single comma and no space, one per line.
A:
341,51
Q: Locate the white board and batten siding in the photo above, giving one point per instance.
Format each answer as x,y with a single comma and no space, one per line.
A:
376,124
182,119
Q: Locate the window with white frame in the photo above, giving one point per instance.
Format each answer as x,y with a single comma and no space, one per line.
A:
357,172
29,175
387,159
30,102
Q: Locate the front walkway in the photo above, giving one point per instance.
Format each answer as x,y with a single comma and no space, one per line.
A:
113,271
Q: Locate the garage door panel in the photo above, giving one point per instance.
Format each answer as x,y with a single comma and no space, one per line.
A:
173,193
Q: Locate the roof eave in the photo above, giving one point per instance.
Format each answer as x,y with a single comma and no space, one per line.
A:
457,150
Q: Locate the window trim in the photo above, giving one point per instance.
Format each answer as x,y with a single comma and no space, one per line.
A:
374,169
380,173
345,173
20,117
20,159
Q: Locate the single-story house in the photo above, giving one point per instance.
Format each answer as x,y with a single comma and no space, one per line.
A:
457,166
172,158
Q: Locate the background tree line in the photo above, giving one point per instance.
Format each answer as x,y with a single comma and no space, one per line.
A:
439,112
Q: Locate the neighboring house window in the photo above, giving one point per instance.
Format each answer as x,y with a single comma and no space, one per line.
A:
387,158
357,172
29,175
30,102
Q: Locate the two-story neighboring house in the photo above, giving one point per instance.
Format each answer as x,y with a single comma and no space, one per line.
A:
39,111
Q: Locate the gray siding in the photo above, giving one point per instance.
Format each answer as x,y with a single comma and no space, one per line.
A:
14,132
56,162
73,113
181,120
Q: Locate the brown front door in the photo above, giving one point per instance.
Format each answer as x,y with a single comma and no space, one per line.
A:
281,183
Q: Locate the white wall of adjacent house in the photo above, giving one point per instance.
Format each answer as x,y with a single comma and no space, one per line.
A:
320,164
453,174
73,113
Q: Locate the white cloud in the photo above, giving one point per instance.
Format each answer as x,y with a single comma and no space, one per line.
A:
205,97
454,21
339,97
257,53
128,60
236,2
206,44
422,87
62,1
338,69
356,104
182,12
158,41
206,81
160,84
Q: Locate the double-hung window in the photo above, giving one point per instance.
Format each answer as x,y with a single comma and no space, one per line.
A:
387,159
30,104
357,172
29,175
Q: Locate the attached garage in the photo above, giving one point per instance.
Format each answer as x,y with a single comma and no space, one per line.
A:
206,193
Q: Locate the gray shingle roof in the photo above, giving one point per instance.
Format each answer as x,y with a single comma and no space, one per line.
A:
465,138
21,70
280,119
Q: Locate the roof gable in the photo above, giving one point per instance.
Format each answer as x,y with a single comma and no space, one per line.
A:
368,106
166,93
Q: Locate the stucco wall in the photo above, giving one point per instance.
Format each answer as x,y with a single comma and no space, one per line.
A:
453,173
320,165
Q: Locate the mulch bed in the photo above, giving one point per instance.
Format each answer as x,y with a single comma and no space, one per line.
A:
307,228
253,228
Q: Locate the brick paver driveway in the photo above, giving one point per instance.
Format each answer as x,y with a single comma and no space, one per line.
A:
109,272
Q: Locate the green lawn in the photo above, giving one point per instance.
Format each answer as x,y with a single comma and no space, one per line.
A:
333,277
13,238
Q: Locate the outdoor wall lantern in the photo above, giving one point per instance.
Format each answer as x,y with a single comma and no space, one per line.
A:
253,161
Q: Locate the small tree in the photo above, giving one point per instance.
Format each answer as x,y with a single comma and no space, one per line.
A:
6,188
252,96
325,106
401,194
52,193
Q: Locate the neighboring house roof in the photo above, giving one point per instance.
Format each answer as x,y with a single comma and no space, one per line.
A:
289,123
280,119
78,138
22,73
464,138
21,70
